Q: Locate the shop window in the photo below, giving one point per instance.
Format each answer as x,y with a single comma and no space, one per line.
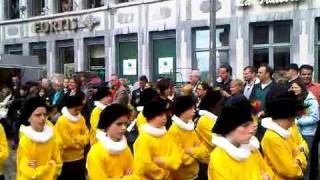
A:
15,49
95,3
65,50
97,59
39,49
201,49
271,44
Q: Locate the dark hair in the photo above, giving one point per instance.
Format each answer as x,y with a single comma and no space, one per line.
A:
227,67
111,113
153,109
304,90
143,78
306,67
182,104
102,92
294,67
268,69
73,101
162,85
210,100
206,86
251,68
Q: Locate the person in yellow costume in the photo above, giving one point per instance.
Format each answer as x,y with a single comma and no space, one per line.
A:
111,157
73,136
103,98
284,154
38,153
236,155
156,155
183,133
4,150
209,109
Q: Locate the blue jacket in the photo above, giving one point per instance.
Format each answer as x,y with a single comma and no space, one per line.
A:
308,123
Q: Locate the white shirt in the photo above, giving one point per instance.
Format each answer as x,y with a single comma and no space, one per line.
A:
249,86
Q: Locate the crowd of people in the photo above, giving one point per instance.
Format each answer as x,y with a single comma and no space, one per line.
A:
265,126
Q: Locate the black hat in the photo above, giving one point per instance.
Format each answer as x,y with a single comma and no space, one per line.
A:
182,104
73,101
233,116
102,92
154,108
280,103
293,66
111,113
147,95
210,100
28,108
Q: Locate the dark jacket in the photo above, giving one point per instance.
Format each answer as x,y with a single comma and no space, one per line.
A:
135,97
259,94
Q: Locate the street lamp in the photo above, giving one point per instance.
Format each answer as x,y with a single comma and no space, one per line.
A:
212,48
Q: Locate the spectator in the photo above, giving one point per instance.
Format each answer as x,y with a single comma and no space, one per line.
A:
186,90
120,94
224,80
260,90
46,86
307,122
135,97
65,86
15,85
249,76
172,92
236,89
194,79
163,87
306,72
5,103
202,89
293,73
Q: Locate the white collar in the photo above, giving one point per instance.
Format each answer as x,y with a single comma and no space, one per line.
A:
208,114
266,84
111,146
269,124
38,137
140,108
182,125
156,132
253,144
239,153
69,116
99,105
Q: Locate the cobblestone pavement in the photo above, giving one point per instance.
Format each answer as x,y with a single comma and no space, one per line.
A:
10,166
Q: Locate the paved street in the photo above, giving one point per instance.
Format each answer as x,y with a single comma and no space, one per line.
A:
10,166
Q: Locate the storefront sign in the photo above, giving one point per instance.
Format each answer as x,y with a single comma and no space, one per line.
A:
56,25
246,3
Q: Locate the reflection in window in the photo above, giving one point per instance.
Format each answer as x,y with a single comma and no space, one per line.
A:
15,49
66,55
203,63
123,1
13,11
281,33
202,39
95,3
260,56
66,5
222,37
39,50
37,7
260,34
97,60
281,58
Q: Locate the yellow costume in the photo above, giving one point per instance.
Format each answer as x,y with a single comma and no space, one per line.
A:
4,150
94,120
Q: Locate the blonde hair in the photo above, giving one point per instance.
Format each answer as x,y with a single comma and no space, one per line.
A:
186,89
239,83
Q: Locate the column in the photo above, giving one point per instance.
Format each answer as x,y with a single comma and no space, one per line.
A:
2,10
26,49
79,55
52,6
24,3
52,58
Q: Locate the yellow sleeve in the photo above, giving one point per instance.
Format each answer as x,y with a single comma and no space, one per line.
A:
204,129
217,171
4,150
201,152
63,136
263,164
281,158
141,120
301,141
95,165
173,161
94,119
23,168
143,163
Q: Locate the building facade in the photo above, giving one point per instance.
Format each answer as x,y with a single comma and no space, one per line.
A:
160,38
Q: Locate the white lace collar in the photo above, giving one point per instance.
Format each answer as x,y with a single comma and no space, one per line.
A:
69,116
111,146
156,132
99,105
208,114
239,153
38,137
140,108
269,124
182,125
253,144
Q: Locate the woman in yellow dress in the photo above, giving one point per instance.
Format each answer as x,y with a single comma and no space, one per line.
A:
4,150
38,154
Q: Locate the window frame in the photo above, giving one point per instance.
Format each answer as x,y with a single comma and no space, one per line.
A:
13,48
317,50
31,10
270,45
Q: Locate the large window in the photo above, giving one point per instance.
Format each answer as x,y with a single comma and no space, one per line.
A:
201,49
65,51
122,1
318,49
15,49
96,55
12,9
39,49
271,44
37,7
